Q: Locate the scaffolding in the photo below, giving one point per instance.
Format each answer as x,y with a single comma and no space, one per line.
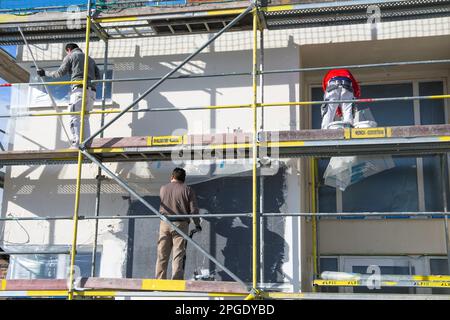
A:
96,149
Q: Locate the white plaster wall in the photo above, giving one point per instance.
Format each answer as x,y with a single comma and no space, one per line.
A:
27,187
378,237
293,265
237,41
154,57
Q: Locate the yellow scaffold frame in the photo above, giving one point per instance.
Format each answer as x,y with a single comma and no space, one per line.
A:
255,292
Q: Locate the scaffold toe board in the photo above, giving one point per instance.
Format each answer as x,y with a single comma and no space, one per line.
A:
110,284
373,283
401,140
405,140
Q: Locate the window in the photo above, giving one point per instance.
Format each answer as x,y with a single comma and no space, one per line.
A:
397,270
439,266
394,265
411,185
432,112
387,265
329,264
62,93
38,266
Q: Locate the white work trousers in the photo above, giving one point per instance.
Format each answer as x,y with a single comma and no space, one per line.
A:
340,93
76,98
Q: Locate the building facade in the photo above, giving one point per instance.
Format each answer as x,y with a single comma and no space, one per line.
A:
127,248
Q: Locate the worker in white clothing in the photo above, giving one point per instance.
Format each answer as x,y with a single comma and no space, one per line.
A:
339,84
73,64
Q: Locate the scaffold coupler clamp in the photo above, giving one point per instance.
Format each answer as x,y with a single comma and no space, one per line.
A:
255,294
258,136
82,147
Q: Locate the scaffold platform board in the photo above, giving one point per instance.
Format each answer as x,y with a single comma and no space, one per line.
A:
404,140
89,286
111,287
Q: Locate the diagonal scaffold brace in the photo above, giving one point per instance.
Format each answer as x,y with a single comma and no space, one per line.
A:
82,151
164,78
124,185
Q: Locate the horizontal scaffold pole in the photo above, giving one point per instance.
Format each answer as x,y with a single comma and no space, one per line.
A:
335,275
365,100
311,69
142,216
233,215
234,106
236,74
357,214
33,252
359,66
43,83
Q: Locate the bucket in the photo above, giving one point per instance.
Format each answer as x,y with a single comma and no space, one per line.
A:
339,125
365,124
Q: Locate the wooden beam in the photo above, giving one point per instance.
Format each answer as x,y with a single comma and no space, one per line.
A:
161,147
114,284
339,134
10,71
36,284
162,285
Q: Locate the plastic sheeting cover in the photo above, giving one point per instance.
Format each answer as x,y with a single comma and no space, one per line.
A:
344,171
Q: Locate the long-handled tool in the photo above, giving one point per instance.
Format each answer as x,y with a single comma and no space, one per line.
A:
45,86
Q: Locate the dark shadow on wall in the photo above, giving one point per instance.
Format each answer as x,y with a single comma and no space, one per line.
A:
229,240
233,236
27,193
152,123
166,122
238,249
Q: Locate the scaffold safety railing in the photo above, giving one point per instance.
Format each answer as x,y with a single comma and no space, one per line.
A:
85,153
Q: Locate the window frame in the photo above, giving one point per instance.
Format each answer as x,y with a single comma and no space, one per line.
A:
63,260
97,103
415,82
421,265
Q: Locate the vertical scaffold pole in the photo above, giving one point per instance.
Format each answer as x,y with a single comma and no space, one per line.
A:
261,178
444,178
99,170
254,153
80,154
313,165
